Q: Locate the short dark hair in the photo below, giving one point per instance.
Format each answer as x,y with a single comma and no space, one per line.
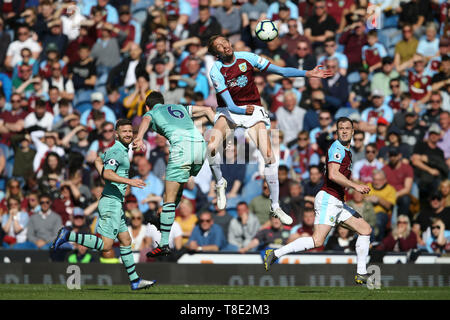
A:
242,203
45,195
330,39
153,99
122,122
372,33
343,119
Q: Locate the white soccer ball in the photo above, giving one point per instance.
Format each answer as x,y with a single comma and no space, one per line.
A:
266,30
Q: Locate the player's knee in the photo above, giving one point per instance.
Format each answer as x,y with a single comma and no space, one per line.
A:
107,247
367,230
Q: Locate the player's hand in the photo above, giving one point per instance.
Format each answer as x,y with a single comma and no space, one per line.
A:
319,72
138,144
362,188
249,109
138,183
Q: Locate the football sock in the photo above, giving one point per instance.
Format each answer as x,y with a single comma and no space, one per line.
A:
167,217
301,244
271,175
88,240
128,261
214,164
362,251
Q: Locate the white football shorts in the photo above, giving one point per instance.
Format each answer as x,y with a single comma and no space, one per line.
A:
244,120
330,210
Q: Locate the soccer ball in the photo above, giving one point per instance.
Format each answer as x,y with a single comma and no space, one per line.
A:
266,30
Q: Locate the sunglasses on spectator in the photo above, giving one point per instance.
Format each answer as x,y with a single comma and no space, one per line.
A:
292,25
324,118
319,7
23,33
16,101
302,139
402,222
358,139
136,218
435,101
435,227
395,86
45,202
370,151
205,220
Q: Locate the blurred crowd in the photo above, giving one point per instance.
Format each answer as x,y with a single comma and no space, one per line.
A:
70,69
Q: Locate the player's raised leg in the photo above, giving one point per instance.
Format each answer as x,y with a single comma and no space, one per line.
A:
363,229
260,136
218,134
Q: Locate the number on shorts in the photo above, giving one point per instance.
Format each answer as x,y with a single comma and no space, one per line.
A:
264,113
175,113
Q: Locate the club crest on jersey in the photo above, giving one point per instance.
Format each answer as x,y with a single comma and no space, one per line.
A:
243,67
331,219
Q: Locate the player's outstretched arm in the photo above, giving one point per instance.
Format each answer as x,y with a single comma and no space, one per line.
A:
143,127
317,72
339,178
98,163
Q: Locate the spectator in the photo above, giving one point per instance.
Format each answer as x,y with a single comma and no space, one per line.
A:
98,103
401,239
395,98
283,181
381,79
223,219
363,169
23,155
444,188
301,57
305,228
405,49
322,136
40,119
5,40
186,218
253,8
335,87
433,110
353,41
193,69
42,227
83,73
140,239
131,28
312,185
412,132
56,36
273,236
154,185
429,45
159,77
394,140
294,203
260,205
332,53
205,27
243,228
429,163
44,147
22,82
302,156
233,173
435,209
358,149
292,39
160,53
135,102
365,208
24,40
290,117
229,18
373,52
419,81
439,241
440,79
400,175
207,236
360,91
341,240
383,197
14,223
12,122
320,26
273,12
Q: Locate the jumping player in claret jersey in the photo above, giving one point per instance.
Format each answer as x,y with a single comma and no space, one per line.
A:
239,105
329,205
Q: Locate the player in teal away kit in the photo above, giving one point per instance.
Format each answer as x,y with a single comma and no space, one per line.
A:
113,167
187,153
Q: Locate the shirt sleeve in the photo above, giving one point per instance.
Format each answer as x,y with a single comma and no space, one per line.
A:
336,154
255,60
110,160
217,79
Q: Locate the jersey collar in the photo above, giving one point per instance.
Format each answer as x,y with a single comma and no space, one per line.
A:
345,148
121,145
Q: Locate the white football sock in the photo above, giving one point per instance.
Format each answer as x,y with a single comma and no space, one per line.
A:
301,244
362,251
271,175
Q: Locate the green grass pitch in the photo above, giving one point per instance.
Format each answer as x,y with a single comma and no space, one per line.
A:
168,292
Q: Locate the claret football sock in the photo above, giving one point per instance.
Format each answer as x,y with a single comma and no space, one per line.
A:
88,240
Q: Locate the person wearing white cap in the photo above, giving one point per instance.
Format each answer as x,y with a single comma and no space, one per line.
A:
98,103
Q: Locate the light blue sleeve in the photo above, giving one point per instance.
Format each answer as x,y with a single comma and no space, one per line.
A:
343,61
336,154
255,60
84,116
273,8
312,135
388,114
294,10
94,146
185,7
382,50
137,32
23,219
110,116
202,86
217,79
286,72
